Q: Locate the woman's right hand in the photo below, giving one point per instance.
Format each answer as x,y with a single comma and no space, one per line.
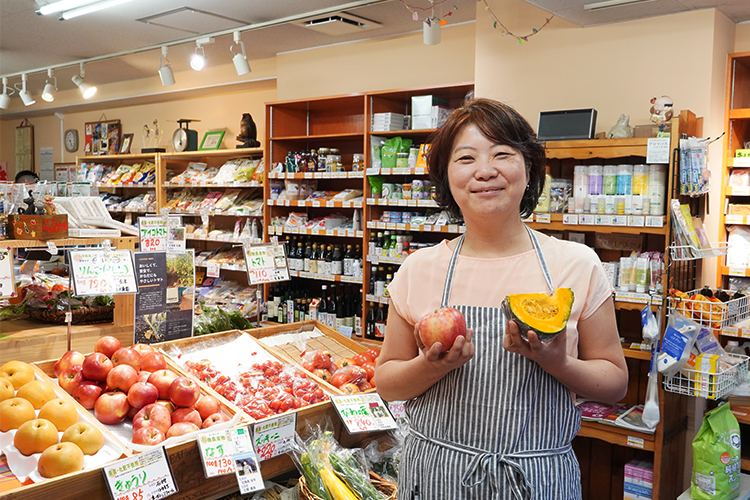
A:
461,351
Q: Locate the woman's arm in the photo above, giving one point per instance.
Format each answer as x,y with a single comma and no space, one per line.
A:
406,369
599,372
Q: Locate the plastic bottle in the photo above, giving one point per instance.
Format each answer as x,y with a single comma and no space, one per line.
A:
657,186
596,185
642,273
625,186
580,186
609,188
733,347
625,267
640,187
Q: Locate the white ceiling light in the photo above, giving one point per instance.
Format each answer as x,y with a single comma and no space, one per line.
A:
612,3
88,9
61,5
87,91
240,58
431,31
5,96
198,61
26,97
165,70
49,87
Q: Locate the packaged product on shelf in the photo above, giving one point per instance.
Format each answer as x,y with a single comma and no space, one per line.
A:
258,172
391,148
376,145
277,187
739,178
307,188
716,456
226,200
348,194
295,220
292,190
735,209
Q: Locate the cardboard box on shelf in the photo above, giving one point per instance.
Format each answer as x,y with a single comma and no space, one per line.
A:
428,111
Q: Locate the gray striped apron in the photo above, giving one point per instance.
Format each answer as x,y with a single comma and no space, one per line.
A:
498,427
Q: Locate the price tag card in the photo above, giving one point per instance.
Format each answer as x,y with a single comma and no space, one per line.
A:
308,175
266,263
543,218
736,271
657,221
587,219
213,270
419,171
248,473
373,171
97,273
657,150
386,171
7,276
411,203
330,203
152,232
570,219
147,476
401,227
741,191
402,203
604,220
216,449
363,413
346,331
735,219
274,437
636,221
51,248
397,409
381,225
390,225
453,228
316,203
620,220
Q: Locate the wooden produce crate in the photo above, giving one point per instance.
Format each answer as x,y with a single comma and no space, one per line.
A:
308,415
39,227
124,430
113,449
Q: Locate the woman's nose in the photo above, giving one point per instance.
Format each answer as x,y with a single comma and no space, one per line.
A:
485,170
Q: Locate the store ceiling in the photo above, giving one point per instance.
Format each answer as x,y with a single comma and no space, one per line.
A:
31,43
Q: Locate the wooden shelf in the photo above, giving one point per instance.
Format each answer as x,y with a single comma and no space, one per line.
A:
617,435
425,228
359,174
219,153
119,158
636,353
170,185
597,148
308,203
335,137
68,242
739,114
731,271
104,185
403,133
634,224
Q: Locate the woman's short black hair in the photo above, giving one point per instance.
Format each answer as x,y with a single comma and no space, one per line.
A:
499,123
25,173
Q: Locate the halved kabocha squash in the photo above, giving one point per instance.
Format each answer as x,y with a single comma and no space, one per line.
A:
546,314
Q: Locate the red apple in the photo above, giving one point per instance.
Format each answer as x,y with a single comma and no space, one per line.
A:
132,412
142,394
181,428
143,376
96,366
444,326
166,404
122,377
143,348
184,391
70,378
207,405
127,356
87,393
149,436
153,361
152,415
162,379
111,407
107,345
187,415
214,419
67,359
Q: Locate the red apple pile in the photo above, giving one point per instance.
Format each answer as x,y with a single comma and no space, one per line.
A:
134,382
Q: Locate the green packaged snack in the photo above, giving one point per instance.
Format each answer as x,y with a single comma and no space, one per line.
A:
716,457
388,152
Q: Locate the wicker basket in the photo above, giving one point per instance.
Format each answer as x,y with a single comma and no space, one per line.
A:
81,316
387,488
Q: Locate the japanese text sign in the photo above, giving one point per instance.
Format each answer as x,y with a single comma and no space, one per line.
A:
266,263
274,437
97,272
363,413
147,476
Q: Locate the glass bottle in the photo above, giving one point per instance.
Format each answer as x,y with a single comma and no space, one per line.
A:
358,313
337,261
370,322
313,266
329,260
380,318
379,244
331,307
380,282
357,262
323,306
371,244
373,278
386,244
349,261
342,311
306,257
322,266
388,279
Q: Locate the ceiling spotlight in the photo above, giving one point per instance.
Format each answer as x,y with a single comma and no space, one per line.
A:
5,96
165,70
88,9
49,87
25,95
87,90
198,61
612,3
240,58
431,31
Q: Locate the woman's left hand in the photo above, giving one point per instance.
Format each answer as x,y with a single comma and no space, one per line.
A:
551,356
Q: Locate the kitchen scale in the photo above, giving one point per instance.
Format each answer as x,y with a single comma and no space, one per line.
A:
185,139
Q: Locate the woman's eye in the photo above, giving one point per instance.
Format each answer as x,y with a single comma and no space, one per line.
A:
465,158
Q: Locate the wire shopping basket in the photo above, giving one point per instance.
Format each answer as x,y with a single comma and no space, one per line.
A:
707,384
709,313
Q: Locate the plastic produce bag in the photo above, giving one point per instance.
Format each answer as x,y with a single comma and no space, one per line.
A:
677,343
716,457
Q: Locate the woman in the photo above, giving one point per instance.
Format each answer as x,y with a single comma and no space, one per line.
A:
493,418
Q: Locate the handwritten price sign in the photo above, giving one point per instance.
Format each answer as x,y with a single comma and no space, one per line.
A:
157,235
217,447
266,264
96,272
363,413
274,437
145,477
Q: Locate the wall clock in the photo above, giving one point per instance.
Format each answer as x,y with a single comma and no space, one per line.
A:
71,140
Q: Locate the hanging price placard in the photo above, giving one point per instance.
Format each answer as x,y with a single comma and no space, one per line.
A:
217,448
363,413
147,476
98,272
274,437
247,470
266,263
158,235
7,279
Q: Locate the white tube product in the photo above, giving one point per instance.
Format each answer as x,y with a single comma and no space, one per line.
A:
626,265
641,274
657,185
640,187
580,187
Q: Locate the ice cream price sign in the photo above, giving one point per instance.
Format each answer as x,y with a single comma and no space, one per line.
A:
217,448
274,437
147,476
98,272
266,264
363,413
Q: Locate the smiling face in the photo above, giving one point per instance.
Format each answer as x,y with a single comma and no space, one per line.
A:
486,179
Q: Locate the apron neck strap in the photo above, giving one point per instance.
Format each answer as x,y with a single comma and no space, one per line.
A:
454,258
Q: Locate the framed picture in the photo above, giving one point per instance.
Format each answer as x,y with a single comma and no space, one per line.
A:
212,140
102,137
127,140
